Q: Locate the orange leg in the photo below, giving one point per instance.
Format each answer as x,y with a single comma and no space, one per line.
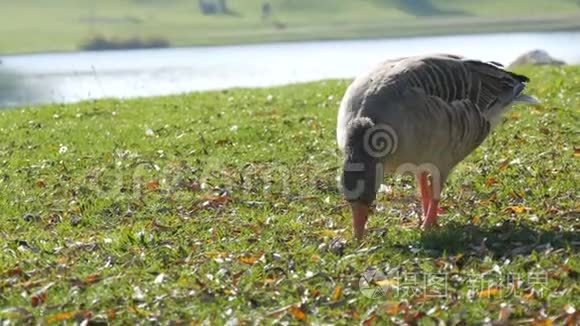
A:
431,216
425,192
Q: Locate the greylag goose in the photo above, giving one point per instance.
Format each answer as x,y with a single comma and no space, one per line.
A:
420,114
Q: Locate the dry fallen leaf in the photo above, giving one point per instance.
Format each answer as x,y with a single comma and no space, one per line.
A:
111,314
249,260
572,320
40,296
504,165
488,293
424,297
517,209
16,271
213,201
569,271
60,317
490,181
153,185
40,183
298,313
91,279
336,294
411,318
370,321
529,296
504,314
354,314
576,151
394,308
543,322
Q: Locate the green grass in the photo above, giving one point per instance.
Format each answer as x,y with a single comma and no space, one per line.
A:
223,205
63,25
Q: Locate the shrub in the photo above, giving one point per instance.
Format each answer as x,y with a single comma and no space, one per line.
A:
99,43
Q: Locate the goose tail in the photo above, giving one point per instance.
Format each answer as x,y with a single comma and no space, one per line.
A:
522,98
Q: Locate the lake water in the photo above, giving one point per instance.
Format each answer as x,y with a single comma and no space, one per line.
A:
71,77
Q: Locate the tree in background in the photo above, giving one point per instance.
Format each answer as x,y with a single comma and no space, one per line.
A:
266,10
213,7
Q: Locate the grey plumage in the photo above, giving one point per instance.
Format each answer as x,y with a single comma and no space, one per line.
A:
439,107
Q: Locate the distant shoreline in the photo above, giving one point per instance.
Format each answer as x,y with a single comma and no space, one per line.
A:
329,32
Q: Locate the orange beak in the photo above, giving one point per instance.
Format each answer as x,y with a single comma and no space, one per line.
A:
360,213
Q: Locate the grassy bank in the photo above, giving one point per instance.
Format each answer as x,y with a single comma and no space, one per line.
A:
223,206
64,25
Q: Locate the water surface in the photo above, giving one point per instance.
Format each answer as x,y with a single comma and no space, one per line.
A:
70,77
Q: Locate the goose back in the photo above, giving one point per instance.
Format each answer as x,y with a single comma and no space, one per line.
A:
440,106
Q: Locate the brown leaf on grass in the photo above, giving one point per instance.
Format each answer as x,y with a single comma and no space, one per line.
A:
40,183
15,272
503,165
504,314
212,201
226,141
194,186
529,296
91,279
276,313
572,320
576,151
297,312
423,297
40,296
370,320
411,318
153,185
60,317
569,271
489,293
160,227
354,314
216,254
111,314
315,294
393,309
517,209
84,315
570,317
139,312
490,181
336,294
542,322
250,260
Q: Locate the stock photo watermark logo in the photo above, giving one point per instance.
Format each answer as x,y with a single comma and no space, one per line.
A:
380,140
379,143
375,284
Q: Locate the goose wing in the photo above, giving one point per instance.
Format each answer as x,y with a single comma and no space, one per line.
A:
486,85
447,104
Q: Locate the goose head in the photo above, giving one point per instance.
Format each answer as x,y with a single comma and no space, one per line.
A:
362,174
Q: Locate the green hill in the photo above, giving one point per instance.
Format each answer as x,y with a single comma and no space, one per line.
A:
38,25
